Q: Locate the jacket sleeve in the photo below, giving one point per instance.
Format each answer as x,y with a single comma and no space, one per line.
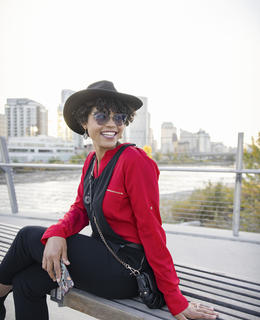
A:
75,219
141,180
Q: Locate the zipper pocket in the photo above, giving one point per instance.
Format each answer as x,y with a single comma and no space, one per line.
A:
117,192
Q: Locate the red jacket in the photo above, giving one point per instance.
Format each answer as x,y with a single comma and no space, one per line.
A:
131,207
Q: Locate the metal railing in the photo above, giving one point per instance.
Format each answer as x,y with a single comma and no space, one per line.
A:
221,207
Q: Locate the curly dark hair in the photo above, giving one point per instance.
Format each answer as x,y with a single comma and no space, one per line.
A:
106,105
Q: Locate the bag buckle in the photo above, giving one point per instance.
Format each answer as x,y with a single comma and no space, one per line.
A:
133,271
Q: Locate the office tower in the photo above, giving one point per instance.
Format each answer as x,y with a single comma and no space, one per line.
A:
188,142
26,117
204,144
168,137
3,127
138,131
64,131
196,142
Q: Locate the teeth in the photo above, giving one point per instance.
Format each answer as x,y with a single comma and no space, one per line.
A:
109,133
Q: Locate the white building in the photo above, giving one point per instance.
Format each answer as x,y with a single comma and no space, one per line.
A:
39,148
188,141
195,142
63,131
218,147
25,117
138,131
3,127
204,145
168,137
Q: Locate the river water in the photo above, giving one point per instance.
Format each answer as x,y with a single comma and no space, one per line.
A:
52,192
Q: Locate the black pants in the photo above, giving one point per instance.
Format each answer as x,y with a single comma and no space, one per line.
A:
92,268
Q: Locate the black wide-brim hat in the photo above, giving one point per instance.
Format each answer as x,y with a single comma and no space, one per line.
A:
100,89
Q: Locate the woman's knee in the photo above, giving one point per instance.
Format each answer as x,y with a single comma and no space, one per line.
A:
31,234
30,230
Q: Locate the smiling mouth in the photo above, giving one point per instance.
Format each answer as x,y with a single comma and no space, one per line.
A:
109,134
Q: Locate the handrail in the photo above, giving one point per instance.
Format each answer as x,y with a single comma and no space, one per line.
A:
161,168
41,165
7,167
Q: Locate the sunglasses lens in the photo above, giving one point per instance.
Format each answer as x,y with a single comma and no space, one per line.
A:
119,119
101,118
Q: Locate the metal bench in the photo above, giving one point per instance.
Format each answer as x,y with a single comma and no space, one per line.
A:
233,298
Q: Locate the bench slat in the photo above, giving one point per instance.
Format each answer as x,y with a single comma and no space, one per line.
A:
221,274
239,283
205,289
8,230
101,308
224,313
225,287
229,303
138,304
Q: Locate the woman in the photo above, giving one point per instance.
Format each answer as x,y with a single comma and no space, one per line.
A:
130,205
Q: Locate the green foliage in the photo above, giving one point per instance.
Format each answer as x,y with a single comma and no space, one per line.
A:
157,156
212,206
78,158
148,150
252,156
250,203
55,160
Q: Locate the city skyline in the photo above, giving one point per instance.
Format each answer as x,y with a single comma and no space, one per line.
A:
197,62
61,130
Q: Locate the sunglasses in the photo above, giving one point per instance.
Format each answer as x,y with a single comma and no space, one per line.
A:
102,118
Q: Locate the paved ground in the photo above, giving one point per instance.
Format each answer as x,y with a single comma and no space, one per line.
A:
212,249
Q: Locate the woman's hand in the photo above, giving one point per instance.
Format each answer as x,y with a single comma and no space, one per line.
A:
197,311
55,251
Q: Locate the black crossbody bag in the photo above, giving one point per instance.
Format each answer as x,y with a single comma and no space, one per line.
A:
147,287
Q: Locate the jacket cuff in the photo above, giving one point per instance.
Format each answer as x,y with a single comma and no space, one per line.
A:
52,233
176,302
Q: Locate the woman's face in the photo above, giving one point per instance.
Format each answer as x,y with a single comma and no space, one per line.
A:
104,134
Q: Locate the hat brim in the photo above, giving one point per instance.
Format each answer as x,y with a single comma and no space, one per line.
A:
80,97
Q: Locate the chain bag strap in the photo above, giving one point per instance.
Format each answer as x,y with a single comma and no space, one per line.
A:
147,287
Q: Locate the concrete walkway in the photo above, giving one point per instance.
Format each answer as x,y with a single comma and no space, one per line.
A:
204,248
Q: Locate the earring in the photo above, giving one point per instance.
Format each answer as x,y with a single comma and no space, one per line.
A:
85,135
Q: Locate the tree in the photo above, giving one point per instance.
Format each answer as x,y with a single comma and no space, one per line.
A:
148,150
157,156
213,205
250,201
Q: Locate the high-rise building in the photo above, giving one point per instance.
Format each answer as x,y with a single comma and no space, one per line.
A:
25,117
195,142
204,144
168,137
218,147
188,142
138,131
3,127
64,131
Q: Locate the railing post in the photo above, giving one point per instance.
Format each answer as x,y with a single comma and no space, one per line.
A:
8,175
238,184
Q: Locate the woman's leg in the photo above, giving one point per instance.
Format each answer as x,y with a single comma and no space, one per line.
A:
94,269
30,288
25,250
21,264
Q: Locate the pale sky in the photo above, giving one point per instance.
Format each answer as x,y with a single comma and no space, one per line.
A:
197,61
